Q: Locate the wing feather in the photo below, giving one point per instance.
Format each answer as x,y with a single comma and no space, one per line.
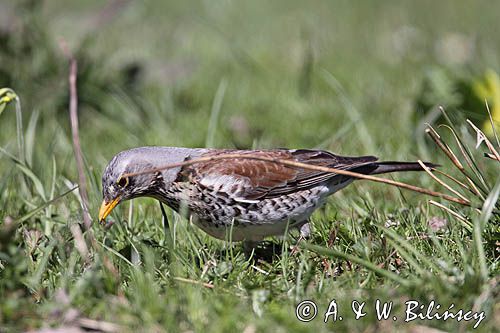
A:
247,180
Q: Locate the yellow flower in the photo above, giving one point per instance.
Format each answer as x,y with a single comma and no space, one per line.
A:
489,89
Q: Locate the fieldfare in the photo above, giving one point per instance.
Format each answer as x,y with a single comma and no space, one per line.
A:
237,199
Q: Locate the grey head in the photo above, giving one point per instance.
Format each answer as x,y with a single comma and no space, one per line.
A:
117,186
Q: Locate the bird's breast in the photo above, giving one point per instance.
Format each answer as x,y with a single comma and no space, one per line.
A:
217,213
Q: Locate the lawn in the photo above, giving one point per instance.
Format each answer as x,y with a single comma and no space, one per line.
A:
354,78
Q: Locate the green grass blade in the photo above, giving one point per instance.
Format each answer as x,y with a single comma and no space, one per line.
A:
33,282
406,256
405,244
43,206
480,224
214,114
368,265
351,111
36,181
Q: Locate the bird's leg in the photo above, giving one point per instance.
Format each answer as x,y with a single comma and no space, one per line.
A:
305,232
164,218
168,240
249,247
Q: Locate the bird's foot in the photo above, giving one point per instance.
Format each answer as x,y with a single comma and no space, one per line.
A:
305,232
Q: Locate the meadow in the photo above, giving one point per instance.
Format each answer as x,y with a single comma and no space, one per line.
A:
354,78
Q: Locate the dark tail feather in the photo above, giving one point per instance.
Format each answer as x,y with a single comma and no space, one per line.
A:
385,167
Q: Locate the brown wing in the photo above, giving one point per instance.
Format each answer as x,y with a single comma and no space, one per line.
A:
248,180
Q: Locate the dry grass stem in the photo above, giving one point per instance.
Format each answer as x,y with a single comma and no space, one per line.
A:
462,185
450,211
73,115
482,137
446,149
493,157
448,187
80,243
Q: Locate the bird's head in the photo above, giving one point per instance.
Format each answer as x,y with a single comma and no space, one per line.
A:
128,175
121,182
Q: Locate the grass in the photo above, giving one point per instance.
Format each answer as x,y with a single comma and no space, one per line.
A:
328,75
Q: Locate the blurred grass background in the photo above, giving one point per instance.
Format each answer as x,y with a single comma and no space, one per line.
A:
351,77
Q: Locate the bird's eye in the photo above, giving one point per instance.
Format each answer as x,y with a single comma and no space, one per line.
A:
122,182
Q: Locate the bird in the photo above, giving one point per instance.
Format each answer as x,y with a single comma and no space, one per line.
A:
238,199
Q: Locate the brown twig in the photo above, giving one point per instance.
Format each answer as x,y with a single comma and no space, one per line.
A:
73,115
80,243
449,153
484,138
462,185
459,144
444,147
303,166
465,222
440,182
493,157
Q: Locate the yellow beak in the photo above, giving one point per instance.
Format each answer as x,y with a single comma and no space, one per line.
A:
107,207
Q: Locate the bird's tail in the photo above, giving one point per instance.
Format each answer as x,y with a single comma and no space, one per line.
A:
385,167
